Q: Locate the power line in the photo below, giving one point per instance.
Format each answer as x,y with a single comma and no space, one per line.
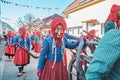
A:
28,6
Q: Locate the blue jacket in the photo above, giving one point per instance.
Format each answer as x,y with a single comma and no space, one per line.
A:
10,41
105,64
48,53
68,36
24,43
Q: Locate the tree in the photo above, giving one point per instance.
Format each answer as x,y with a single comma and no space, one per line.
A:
26,21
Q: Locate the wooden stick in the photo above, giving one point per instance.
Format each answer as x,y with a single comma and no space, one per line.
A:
91,34
34,56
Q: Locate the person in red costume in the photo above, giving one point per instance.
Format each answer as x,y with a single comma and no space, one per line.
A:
22,51
51,64
9,49
38,40
90,34
113,20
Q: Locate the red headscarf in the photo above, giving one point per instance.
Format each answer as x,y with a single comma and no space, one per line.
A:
90,37
54,24
23,29
34,33
39,34
113,14
10,34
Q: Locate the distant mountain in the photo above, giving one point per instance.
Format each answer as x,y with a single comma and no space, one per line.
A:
7,25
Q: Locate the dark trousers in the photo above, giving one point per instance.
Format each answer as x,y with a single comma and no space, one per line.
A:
20,69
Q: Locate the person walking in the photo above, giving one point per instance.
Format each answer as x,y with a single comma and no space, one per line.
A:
50,63
9,46
22,50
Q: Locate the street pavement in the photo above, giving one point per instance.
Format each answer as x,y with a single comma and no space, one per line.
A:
8,71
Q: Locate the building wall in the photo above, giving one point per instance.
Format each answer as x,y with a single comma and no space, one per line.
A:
99,11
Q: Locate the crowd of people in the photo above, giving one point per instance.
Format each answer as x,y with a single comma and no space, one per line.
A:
52,62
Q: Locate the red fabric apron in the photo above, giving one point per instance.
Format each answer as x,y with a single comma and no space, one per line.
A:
9,50
59,72
37,47
21,57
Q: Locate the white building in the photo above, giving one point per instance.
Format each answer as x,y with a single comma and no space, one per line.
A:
84,10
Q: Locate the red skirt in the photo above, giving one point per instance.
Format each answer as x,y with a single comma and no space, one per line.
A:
59,72
37,47
21,57
9,50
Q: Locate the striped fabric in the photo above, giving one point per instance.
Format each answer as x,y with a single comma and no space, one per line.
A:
105,64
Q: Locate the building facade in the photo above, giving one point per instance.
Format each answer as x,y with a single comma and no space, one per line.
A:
81,11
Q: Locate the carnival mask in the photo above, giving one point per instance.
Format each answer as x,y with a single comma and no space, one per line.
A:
59,31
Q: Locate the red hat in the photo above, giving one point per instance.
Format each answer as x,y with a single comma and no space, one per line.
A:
23,29
113,14
39,33
55,22
91,32
34,33
10,34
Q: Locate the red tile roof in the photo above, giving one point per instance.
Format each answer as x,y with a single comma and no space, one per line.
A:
73,5
80,4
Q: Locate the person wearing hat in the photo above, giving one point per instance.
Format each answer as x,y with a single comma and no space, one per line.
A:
22,50
105,63
113,20
37,41
50,64
9,46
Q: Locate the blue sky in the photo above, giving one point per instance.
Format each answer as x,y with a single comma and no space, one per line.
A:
12,11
